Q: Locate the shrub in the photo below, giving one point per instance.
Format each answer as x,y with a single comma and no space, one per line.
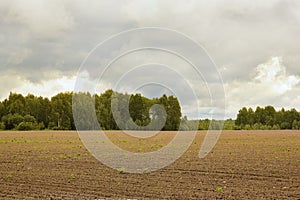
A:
2,126
247,127
41,126
276,127
257,126
12,121
285,125
51,125
26,126
29,118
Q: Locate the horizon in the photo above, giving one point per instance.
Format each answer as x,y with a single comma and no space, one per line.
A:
183,114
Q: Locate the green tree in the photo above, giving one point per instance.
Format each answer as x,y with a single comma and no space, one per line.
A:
61,111
139,110
103,110
242,117
260,115
174,113
204,124
270,113
2,110
83,110
16,104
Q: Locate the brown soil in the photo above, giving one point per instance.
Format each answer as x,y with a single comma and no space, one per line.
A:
243,165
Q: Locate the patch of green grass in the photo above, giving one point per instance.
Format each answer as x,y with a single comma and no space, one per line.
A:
88,154
122,170
63,156
3,141
72,176
9,176
219,190
141,148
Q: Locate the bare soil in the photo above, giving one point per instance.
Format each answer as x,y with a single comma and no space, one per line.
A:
243,165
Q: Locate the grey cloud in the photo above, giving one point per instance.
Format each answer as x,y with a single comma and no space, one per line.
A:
44,40
59,34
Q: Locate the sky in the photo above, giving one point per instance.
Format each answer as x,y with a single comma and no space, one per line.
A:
250,50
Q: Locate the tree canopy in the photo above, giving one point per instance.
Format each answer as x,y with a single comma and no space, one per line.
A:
31,112
114,111
267,118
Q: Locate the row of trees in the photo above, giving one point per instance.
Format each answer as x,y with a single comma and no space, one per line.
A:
32,112
207,124
115,111
267,118
127,112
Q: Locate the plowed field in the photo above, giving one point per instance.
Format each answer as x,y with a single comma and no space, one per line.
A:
243,165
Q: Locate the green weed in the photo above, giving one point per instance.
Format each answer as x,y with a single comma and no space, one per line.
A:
219,190
122,170
9,176
72,176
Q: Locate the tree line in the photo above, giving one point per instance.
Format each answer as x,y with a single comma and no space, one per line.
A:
267,118
30,112
208,124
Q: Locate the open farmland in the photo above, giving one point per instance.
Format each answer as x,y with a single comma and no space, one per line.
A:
243,165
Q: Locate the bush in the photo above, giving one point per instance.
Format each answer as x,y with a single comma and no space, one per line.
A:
276,127
41,126
12,121
296,125
247,127
29,118
51,125
257,126
285,125
26,126
2,126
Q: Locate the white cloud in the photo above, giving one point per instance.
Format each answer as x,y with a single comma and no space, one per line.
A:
48,88
273,74
269,85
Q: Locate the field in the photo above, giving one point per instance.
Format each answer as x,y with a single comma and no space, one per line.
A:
243,165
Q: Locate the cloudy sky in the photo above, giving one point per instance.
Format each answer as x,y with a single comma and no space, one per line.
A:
253,46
